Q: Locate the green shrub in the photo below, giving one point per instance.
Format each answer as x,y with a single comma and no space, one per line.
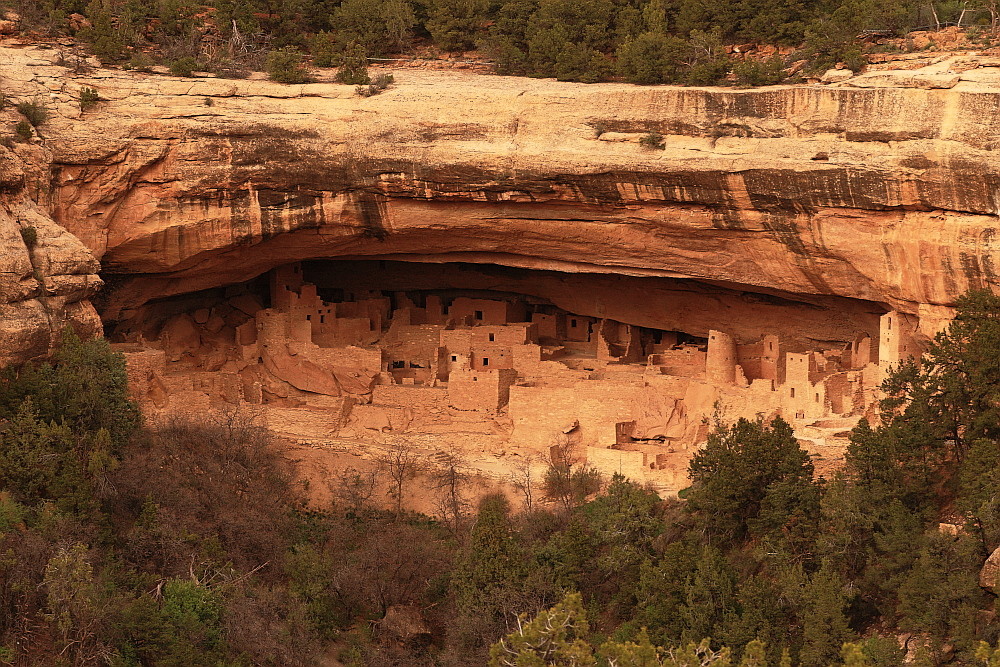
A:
855,60
88,98
599,127
760,73
507,58
30,236
229,68
709,72
324,49
354,66
653,141
11,514
23,130
378,84
454,24
286,66
34,112
185,66
380,26
708,63
652,57
140,62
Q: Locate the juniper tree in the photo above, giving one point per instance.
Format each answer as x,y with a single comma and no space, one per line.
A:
742,470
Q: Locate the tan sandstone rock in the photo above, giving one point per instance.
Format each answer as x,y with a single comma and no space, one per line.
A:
836,75
43,288
990,572
883,194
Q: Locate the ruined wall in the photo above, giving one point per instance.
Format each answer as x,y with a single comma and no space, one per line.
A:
483,390
542,414
720,362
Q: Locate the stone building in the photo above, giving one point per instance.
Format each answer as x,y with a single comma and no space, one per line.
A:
637,401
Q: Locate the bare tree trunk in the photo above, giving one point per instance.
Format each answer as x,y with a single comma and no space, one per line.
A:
449,480
401,464
354,488
523,480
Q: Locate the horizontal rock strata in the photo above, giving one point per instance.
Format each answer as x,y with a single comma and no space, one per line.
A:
882,194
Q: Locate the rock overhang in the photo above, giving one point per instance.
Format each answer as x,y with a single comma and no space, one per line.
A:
885,195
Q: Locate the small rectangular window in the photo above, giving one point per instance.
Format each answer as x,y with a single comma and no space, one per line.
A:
454,358
793,392
486,361
322,319
479,314
572,323
492,337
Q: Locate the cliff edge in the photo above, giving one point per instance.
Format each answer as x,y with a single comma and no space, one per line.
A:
882,188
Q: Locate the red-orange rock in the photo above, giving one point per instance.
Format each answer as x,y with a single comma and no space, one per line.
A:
176,196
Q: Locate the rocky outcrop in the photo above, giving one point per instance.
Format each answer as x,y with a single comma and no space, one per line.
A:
882,194
990,572
46,274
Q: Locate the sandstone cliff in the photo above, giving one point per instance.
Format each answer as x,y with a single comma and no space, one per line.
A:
814,194
46,274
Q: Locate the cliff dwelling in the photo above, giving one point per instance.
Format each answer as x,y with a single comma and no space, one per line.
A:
505,364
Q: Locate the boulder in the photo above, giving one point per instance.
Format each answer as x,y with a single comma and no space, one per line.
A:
990,571
406,622
836,75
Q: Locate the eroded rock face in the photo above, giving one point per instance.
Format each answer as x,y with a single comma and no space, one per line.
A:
990,571
46,274
883,194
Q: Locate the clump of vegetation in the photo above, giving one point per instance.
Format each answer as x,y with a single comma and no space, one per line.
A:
88,98
107,35
34,112
648,41
653,141
324,49
287,66
140,62
753,73
24,131
231,68
30,236
185,66
354,66
707,63
652,57
378,84
599,127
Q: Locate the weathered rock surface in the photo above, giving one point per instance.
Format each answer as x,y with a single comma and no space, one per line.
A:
887,194
990,572
44,287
